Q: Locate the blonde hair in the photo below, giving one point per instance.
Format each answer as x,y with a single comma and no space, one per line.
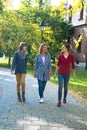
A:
41,47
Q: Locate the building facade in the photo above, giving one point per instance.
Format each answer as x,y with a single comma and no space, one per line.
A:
79,21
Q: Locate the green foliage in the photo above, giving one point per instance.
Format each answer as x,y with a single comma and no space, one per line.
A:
1,6
23,25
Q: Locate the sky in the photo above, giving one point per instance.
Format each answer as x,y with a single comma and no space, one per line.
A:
55,2
16,3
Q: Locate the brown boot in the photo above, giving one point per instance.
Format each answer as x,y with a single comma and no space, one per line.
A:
19,97
59,104
23,96
64,100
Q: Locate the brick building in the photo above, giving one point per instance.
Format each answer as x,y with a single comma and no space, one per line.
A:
79,21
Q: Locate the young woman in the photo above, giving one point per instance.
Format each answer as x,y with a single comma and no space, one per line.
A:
42,70
63,70
19,65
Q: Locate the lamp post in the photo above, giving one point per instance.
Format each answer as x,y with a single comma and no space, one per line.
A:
42,28
86,60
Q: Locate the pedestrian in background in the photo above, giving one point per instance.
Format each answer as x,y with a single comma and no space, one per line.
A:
42,70
19,66
63,69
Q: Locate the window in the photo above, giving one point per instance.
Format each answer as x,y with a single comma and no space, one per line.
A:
70,14
41,1
82,10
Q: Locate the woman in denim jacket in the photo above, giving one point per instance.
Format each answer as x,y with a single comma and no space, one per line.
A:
42,70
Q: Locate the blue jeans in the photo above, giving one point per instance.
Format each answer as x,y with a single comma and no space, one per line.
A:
41,87
62,77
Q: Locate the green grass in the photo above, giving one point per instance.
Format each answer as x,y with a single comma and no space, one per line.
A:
4,63
78,86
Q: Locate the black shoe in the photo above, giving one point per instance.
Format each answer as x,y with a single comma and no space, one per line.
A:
19,97
23,96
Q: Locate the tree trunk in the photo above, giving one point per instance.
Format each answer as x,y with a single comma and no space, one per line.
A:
9,61
86,64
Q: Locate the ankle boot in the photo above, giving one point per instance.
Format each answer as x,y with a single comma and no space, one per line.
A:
19,97
23,96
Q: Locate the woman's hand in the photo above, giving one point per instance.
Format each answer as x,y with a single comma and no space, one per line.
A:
74,76
56,71
12,72
54,76
34,74
49,73
50,70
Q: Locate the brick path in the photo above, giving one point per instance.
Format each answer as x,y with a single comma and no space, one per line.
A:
34,116
1,92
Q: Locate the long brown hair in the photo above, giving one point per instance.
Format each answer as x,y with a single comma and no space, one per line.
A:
41,47
22,44
67,46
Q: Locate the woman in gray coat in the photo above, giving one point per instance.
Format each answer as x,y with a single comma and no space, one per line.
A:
19,65
42,70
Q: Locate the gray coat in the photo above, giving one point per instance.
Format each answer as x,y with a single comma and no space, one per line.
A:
42,69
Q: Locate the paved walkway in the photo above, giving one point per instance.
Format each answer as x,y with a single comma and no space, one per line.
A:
34,116
81,65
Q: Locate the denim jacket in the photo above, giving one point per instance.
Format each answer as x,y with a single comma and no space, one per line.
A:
42,69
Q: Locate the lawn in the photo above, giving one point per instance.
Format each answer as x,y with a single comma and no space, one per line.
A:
78,86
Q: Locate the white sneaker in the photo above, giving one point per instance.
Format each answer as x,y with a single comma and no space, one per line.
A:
38,98
41,100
